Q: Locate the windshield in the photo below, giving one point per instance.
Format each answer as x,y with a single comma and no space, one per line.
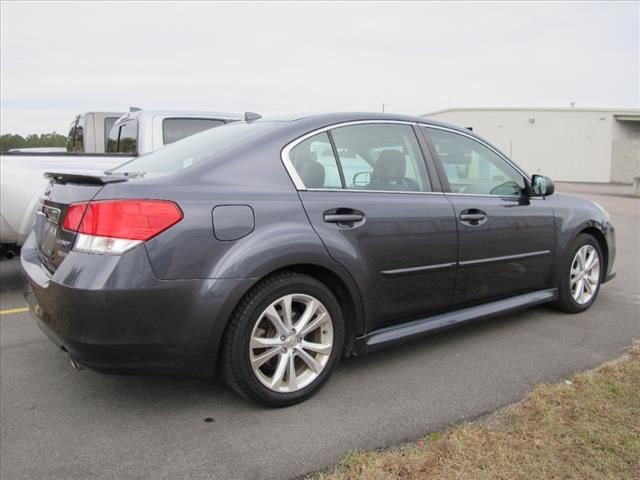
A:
185,153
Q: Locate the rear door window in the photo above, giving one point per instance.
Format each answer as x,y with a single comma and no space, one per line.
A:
381,156
174,129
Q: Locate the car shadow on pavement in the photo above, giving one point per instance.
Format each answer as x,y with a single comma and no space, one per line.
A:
168,394
448,337
11,277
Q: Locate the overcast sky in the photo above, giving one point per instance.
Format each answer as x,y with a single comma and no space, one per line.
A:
59,59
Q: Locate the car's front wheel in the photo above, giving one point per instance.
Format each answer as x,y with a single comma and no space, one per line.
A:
580,275
283,340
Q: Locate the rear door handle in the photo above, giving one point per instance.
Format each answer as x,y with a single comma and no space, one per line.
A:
473,217
343,216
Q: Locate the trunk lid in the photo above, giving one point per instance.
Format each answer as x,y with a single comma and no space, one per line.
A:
52,240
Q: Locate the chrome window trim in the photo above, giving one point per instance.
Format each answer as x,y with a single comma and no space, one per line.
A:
510,197
354,190
299,184
288,165
494,150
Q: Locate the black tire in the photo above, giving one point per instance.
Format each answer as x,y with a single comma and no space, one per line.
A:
235,363
566,302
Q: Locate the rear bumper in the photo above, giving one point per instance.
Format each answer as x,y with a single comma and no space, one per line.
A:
112,314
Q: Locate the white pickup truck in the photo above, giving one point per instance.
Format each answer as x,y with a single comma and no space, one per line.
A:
96,143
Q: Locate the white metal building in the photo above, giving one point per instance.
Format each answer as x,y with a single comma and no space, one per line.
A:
566,144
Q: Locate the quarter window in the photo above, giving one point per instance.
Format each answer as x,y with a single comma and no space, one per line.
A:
315,163
381,157
473,168
174,129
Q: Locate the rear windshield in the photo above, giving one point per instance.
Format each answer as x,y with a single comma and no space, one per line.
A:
108,123
187,152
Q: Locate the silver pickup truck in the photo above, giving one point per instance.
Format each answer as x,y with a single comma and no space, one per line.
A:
97,141
89,131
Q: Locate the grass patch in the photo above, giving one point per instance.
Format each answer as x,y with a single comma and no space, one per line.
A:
587,428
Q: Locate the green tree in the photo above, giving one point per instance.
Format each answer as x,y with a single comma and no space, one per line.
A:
11,140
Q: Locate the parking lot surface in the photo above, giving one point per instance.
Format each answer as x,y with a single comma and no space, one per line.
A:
57,422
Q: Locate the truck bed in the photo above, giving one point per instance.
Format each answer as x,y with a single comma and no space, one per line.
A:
22,183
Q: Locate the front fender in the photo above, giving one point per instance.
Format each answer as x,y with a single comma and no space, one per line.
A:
576,215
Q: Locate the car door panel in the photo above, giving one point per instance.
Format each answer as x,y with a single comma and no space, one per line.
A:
505,242
509,253
402,254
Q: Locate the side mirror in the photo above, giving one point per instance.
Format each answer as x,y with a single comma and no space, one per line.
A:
362,179
541,186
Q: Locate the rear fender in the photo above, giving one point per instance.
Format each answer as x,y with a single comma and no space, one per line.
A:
261,254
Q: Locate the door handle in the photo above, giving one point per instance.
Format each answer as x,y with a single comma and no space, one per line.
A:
343,216
473,217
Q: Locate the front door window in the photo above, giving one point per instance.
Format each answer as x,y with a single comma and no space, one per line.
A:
473,168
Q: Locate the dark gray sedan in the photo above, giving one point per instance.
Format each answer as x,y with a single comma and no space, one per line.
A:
270,248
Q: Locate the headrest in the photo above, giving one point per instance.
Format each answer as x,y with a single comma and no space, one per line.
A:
390,164
302,156
312,174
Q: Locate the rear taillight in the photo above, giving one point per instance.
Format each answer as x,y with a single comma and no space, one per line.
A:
74,216
115,226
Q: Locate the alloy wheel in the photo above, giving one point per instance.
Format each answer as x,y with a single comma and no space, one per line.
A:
585,274
291,343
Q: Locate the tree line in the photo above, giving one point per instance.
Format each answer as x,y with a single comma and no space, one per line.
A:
12,140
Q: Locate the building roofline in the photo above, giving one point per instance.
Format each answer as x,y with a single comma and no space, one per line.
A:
614,111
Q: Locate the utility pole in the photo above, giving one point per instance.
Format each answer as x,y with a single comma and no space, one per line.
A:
384,105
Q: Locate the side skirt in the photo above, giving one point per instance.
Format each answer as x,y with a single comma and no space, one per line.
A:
406,331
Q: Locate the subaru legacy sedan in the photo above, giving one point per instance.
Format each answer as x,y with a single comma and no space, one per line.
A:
267,249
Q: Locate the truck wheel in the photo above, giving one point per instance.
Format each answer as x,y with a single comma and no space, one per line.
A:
283,340
580,275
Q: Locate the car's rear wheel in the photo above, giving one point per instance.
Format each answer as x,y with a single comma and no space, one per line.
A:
581,275
283,340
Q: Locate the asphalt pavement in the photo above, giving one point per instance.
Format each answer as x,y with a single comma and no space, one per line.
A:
57,422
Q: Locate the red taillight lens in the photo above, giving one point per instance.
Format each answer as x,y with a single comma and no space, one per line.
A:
125,219
73,216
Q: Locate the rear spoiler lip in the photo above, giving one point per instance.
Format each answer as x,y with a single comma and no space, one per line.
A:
86,178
